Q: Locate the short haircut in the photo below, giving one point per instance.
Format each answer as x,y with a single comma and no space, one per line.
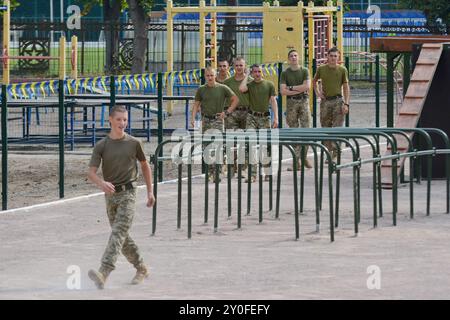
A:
239,59
210,69
224,60
116,109
255,65
290,51
333,49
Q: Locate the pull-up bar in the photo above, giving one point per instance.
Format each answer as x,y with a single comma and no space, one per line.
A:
5,57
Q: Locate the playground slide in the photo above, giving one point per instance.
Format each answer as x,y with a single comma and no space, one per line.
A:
413,103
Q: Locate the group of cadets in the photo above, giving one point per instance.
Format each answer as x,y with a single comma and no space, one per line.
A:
238,102
242,101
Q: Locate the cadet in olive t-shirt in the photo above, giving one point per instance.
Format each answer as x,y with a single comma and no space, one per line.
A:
332,79
259,95
234,84
213,98
118,158
118,154
294,77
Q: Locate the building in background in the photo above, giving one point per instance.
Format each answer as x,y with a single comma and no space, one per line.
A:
39,10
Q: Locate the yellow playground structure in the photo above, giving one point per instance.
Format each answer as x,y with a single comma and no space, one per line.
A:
283,30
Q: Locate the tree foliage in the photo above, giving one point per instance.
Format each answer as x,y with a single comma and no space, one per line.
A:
433,9
89,4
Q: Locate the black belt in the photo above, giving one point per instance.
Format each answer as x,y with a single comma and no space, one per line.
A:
298,97
333,97
123,187
241,108
213,117
259,114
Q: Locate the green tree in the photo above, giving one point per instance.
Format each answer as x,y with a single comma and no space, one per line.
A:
433,9
139,13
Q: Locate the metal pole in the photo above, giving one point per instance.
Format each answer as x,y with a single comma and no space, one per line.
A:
347,116
406,71
189,215
4,148
112,91
51,21
239,189
314,98
280,97
6,38
377,91
160,122
390,89
61,113
216,197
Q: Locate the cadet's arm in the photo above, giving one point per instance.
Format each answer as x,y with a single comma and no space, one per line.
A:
317,88
106,187
274,104
295,89
243,86
346,88
234,103
195,109
147,173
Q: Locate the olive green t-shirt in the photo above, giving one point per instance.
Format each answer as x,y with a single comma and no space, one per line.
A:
259,94
213,99
227,101
332,79
291,77
118,158
221,81
234,84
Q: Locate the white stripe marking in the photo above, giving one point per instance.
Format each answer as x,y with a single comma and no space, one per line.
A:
53,203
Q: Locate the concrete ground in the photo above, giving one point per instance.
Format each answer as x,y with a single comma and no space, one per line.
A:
43,248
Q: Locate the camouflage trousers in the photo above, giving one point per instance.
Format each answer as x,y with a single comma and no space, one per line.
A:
254,122
120,208
236,120
208,124
298,114
331,115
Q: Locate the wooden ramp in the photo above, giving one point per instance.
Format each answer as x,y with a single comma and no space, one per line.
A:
413,102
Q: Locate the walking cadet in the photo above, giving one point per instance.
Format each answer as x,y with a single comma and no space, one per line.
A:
334,83
210,99
295,84
238,118
261,93
118,154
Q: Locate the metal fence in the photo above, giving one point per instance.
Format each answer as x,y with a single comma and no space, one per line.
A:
235,38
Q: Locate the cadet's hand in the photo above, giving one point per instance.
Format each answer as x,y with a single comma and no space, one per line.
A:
107,187
344,109
275,123
322,96
150,199
221,115
193,122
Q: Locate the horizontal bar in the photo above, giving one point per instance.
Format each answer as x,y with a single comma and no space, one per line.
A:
249,9
28,58
320,9
392,157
